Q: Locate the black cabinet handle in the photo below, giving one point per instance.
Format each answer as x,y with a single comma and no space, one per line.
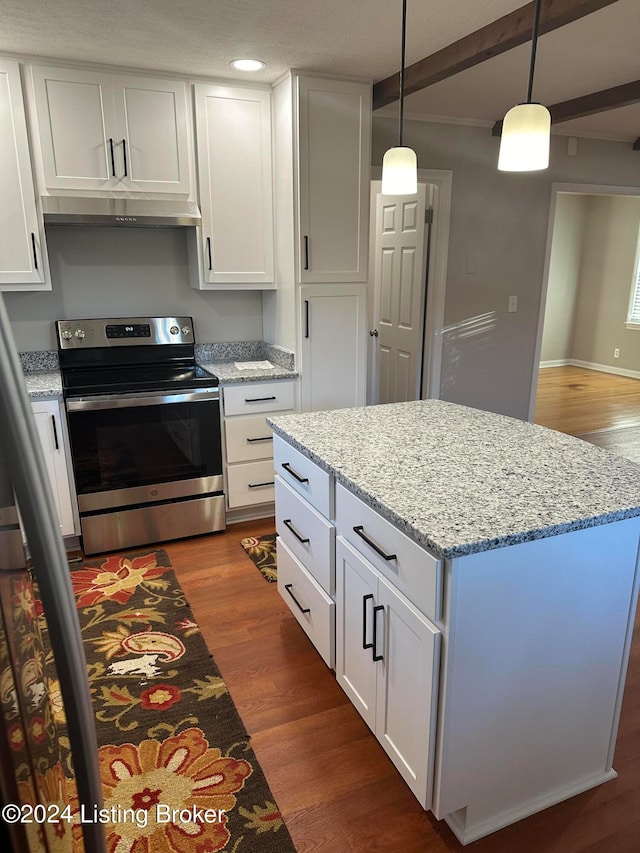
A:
260,485
360,531
365,645
376,610
306,251
302,609
266,438
306,318
124,156
287,523
113,159
33,248
55,431
258,399
209,253
293,473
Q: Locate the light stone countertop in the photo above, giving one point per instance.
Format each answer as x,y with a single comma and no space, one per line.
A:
44,384
459,480
228,373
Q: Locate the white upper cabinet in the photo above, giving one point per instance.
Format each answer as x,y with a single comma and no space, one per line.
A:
235,178
118,133
334,156
23,259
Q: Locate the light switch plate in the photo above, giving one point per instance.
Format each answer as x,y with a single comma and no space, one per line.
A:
513,304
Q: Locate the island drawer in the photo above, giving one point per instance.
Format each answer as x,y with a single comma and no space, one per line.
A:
410,568
307,534
250,483
251,397
248,438
314,610
304,476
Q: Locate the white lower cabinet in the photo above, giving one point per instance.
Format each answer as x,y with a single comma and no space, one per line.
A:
387,661
50,430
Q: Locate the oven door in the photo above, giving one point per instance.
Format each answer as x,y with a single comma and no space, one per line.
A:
145,448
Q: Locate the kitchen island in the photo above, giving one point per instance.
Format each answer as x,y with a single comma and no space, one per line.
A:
473,580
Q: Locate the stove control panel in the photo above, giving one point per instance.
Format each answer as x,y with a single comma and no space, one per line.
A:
124,331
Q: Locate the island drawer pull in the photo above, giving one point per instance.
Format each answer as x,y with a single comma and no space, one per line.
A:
264,438
260,485
374,645
360,531
302,609
259,399
365,598
287,467
287,523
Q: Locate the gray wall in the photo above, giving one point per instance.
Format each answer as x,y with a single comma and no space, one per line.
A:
500,220
564,276
127,272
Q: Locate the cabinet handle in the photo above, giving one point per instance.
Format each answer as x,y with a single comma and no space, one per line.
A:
55,431
374,645
260,485
113,159
209,253
360,531
266,438
288,468
33,247
287,523
365,598
306,251
258,399
124,156
306,318
302,609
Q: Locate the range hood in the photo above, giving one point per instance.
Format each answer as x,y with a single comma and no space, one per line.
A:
122,212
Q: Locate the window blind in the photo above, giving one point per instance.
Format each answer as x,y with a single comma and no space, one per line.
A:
634,303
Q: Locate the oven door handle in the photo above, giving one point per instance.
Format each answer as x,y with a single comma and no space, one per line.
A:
129,401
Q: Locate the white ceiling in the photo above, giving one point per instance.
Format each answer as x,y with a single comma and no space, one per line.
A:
358,38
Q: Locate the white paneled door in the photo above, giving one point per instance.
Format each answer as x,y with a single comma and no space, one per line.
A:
400,277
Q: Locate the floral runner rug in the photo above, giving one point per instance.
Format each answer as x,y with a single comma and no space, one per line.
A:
262,550
178,773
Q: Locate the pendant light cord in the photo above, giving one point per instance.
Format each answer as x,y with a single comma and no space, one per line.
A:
534,44
404,34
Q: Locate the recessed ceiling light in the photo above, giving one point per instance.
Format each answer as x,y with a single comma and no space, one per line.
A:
247,64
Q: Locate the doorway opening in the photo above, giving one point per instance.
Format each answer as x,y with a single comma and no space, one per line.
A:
587,372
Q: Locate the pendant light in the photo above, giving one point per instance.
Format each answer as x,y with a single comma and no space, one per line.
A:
526,128
400,164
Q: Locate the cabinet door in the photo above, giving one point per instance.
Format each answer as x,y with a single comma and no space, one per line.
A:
76,127
152,142
233,128
334,142
356,589
407,689
23,264
49,427
333,347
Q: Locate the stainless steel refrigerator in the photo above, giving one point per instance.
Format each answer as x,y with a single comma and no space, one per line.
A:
49,771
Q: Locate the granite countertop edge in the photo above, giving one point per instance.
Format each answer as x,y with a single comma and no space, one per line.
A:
464,548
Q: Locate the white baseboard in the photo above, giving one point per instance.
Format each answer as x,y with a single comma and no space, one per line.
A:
555,362
606,368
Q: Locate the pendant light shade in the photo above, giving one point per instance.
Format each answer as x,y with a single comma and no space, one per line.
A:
524,146
400,172
400,164
526,128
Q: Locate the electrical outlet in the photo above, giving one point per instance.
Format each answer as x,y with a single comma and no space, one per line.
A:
513,304
616,352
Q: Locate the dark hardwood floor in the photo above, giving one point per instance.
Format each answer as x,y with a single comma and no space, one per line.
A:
336,788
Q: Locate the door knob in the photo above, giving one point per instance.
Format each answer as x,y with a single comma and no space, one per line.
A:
373,333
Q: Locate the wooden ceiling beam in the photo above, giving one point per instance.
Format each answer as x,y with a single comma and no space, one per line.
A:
587,105
504,34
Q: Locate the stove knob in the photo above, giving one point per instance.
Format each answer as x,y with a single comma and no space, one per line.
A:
186,330
174,330
67,334
80,333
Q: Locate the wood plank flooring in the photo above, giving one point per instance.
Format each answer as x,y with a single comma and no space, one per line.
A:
334,784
